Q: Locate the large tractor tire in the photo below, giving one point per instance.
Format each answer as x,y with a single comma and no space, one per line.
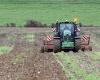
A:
77,45
57,46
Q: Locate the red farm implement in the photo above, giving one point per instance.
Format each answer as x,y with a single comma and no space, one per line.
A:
85,43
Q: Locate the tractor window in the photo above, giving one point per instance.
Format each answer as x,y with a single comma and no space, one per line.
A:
67,26
62,27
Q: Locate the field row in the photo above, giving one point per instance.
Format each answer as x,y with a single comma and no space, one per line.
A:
80,66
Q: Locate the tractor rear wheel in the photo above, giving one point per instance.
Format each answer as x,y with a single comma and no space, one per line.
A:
77,45
56,46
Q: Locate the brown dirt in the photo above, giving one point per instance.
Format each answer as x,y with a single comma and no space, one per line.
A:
25,62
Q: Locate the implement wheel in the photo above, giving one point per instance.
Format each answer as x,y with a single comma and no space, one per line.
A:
44,49
90,48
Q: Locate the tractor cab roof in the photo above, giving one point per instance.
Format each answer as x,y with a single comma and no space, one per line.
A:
66,22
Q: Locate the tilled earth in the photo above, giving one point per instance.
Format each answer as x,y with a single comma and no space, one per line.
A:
25,62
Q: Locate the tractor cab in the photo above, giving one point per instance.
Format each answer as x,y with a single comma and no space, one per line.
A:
66,33
66,30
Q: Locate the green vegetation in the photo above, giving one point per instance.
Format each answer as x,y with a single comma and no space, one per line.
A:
49,1
95,56
29,37
75,68
4,49
88,13
18,58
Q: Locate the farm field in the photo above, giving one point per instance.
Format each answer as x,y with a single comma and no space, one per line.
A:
23,60
20,56
47,1
19,11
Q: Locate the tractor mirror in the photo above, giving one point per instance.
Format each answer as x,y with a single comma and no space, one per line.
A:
54,29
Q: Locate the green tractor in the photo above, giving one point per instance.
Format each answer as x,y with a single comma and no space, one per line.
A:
67,37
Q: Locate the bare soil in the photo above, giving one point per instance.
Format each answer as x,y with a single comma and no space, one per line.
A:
25,62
